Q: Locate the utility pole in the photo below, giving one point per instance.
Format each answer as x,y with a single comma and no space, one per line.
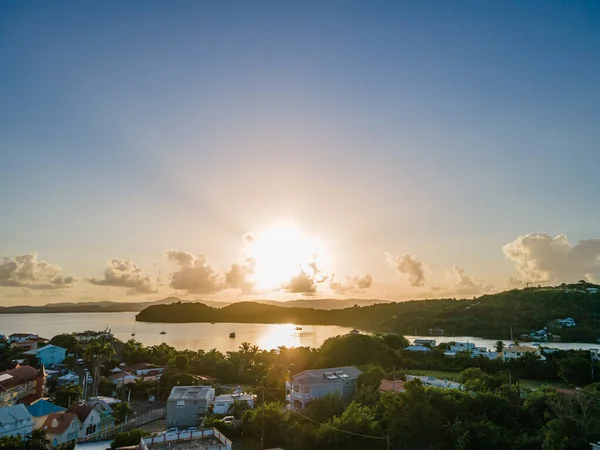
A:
388,442
394,386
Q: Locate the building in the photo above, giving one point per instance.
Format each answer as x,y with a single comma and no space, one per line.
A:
21,337
224,402
187,404
105,411
122,378
425,342
595,446
517,351
89,418
68,379
20,382
49,355
435,382
592,290
15,421
61,428
146,372
86,336
594,354
316,383
205,438
566,322
391,386
462,347
40,409
417,348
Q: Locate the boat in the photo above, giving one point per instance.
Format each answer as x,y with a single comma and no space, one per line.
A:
163,331
231,335
298,328
133,334
212,323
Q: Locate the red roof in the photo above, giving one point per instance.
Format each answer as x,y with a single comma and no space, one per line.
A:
119,375
63,421
19,375
81,411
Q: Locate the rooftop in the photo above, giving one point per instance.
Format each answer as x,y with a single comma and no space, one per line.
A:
41,349
81,411
190,392
57,423
230,397
11,414
390,386
18,375
43,407
329,375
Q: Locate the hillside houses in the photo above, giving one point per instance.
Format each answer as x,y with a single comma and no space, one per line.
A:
15,420
21,383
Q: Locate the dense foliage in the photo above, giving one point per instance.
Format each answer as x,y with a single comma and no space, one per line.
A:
489,316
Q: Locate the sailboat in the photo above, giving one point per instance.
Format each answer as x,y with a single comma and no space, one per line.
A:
163,331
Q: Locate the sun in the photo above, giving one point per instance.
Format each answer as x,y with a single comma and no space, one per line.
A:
281,251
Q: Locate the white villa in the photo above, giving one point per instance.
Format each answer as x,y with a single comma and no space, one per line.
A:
566,322
435,382
224,402
517,351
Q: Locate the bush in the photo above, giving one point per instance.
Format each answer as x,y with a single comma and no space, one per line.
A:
128,438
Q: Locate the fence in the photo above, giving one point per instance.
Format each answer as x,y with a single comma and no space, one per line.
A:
224,443
137,421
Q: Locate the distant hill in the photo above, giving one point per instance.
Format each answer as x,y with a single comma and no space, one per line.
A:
489,316
324,303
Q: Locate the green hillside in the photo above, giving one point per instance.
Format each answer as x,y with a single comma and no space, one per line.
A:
489,316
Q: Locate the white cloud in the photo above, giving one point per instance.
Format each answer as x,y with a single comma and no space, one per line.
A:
541,257
194,274
240,275
351,284
408,264
125,273
29,272
466,284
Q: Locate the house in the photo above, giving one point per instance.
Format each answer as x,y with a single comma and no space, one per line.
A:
566,322
391,386
517,351
354,331
105,411
40,409
86,336
89,418
49,355
224,402
592,290
187,404
425,342
417,348
61,427
21,337
20,382
435,382
15,421
595,446
594,354
122,378
147,372
462,347
316,383
68,379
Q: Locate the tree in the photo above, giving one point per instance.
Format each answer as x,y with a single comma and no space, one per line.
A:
37,440
98,351
11,443
238,408
325,408
70,362
499,346
395,341
275,421
356,419
371,376
67,341
67,396
122,412
128,438
181,362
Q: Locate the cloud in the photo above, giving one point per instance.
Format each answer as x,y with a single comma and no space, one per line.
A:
351,284
514,283
301,284
194,274
407,264
125,273
248,238
29,272
239,275
541,257
466,284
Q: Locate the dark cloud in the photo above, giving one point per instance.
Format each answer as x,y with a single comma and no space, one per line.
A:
194,274
29,272
407,264
125,273
351,284
541,257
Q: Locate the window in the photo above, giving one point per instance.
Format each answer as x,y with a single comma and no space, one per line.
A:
180,403
90,430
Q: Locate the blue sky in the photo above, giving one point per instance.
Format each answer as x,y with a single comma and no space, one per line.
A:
442,129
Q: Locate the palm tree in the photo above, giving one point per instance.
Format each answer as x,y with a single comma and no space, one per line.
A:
98,351
238,408
245,347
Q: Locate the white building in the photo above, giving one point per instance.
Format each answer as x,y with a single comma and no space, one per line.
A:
61,428
566,322
15,421
517,351
89,418
462,347
594,354
435,382
592,290
68,379
122,378
417,348
224,402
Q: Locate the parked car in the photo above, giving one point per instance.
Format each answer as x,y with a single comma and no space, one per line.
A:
171,431
228,419
80,362
89,380
191,430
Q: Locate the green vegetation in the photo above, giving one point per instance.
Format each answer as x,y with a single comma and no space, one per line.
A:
128,438
489,316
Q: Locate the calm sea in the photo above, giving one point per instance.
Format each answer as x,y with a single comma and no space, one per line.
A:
201,336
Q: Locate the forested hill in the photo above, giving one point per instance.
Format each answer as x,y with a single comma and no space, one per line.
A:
489,316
